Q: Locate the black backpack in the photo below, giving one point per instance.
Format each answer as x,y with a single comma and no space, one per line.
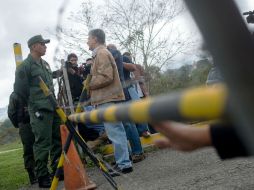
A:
16,110
12,109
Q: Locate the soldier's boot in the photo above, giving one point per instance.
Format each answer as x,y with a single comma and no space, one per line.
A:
32,177
98,141
44,181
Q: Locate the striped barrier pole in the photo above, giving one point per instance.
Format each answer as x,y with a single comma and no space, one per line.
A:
204,103
18,53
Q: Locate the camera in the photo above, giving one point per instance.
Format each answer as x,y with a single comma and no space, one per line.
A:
87,68
250,17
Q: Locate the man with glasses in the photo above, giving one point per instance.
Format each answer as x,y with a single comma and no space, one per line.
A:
43,118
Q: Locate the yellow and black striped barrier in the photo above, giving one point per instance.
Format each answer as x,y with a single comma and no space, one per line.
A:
203,103
18,53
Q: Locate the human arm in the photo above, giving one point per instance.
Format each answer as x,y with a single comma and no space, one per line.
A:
182,137
58,73
129,66
188,138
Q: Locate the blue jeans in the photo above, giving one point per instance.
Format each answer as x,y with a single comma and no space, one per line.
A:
133,137
96,127
117,135
134,96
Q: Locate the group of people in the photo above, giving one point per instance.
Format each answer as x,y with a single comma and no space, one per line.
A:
108,78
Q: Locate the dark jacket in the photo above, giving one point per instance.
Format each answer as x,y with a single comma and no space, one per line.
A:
227,142
75,81
119,63
127,74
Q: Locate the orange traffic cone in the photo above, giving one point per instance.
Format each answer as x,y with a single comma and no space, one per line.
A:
75,176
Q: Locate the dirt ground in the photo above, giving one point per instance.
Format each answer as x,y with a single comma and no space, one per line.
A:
167,169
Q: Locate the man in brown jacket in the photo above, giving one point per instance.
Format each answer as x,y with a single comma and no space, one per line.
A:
106,90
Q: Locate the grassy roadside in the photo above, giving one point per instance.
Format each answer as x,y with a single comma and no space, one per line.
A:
12,172
10,146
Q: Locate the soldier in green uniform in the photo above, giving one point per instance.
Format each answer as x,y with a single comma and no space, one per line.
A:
43,118
18,114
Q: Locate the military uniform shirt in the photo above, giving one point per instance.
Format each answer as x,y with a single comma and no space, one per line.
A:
27,83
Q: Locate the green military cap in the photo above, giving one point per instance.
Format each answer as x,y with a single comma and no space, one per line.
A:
37,39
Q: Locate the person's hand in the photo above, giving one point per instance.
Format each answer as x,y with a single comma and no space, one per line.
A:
182,137
87,81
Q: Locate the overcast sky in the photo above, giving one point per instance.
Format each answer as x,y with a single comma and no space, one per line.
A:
19,20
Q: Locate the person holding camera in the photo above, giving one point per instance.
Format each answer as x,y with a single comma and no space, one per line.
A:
86,67
74,76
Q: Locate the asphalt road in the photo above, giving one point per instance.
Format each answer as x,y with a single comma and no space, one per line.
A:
167,169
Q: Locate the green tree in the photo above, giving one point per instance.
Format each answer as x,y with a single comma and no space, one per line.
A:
176,79
142,27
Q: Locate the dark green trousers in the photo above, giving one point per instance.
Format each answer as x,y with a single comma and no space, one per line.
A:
27,139
46,129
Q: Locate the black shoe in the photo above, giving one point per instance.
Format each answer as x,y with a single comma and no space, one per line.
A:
44,181
127,170
33,179
116,171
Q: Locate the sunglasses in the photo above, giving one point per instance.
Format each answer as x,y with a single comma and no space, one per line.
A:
42,44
